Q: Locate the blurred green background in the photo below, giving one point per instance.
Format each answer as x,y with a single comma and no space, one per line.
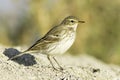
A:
22,22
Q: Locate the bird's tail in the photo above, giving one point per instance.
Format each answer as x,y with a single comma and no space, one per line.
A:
21,53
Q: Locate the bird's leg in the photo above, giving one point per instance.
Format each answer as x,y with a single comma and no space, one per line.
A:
57,63
48,56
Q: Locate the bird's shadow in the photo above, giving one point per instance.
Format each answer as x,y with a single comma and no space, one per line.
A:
25,59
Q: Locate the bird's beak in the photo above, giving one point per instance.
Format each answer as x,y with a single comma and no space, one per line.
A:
81,21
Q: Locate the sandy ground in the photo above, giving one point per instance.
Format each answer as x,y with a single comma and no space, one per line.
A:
37,67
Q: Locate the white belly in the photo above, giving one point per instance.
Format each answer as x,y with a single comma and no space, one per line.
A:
62,46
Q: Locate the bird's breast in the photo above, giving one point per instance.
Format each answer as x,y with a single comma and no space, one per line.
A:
63,45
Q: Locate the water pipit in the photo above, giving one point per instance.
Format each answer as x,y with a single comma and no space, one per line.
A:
57,41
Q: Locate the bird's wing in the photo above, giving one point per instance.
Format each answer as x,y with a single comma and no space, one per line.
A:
52,36
41,43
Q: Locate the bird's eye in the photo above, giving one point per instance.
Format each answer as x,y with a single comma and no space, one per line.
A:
72,21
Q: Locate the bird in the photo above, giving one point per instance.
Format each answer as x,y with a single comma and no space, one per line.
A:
57,41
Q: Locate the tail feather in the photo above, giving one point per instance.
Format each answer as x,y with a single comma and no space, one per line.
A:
21,53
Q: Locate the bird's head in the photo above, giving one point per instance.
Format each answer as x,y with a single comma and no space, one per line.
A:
71,21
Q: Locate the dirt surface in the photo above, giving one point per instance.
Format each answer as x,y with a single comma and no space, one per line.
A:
37,67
